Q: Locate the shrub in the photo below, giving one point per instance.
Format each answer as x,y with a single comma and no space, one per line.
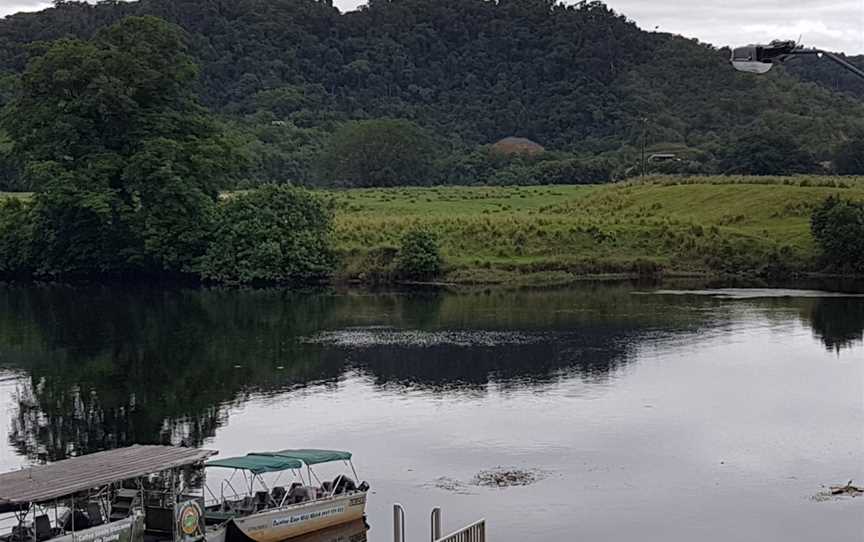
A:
573,171
419,257
15,237
274,234
838,227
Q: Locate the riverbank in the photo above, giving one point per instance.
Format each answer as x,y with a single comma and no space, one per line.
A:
700,226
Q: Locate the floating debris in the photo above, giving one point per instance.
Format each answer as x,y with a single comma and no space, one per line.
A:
848,489
836,492
452,485
499,477
369,337
504,477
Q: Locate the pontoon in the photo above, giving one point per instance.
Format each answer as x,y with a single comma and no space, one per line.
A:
265,514
134,494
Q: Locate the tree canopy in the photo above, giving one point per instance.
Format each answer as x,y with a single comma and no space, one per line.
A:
127,167
382,152
578,79
125,161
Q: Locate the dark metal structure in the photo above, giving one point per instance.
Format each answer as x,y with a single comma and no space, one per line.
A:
761,58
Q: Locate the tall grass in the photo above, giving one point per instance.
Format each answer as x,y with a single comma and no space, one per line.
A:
690,224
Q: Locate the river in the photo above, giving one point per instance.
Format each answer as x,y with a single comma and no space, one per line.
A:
643,412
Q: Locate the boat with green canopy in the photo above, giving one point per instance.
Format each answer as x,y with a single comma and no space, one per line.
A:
266,510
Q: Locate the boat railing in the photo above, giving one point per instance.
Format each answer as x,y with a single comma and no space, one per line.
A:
398,523
476,532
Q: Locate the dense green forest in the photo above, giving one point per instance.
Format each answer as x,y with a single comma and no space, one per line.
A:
581,80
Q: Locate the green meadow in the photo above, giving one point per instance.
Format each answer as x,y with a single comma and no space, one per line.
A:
674,226
548,234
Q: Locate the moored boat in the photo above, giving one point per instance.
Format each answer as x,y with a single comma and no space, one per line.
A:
134,494
265,514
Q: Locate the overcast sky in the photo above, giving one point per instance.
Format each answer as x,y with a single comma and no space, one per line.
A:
829,24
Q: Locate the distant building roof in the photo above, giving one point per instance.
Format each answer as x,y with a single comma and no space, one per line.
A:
517,145
662,156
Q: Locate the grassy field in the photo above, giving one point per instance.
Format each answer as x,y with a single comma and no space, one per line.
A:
558,233
20,195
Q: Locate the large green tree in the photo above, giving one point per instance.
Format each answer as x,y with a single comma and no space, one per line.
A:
768,152
126,163
384,152
849,157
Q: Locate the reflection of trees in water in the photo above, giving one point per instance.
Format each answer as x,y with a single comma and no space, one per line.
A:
110,367
53,424
838,322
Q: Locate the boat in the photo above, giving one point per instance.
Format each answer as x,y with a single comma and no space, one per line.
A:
263,514
133,494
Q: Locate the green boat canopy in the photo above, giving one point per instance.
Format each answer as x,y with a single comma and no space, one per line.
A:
256,463
309,457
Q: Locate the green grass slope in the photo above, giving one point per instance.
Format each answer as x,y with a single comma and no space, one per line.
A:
557,233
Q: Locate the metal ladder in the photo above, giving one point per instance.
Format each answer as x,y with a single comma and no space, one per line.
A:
476,532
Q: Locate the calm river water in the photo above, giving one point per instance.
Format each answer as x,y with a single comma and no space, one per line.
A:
645,414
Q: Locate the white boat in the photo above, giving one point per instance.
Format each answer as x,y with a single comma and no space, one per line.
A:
265,514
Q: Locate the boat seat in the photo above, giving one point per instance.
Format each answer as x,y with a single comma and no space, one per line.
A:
262,500
42,525
64,522
278,493
343,484
301,494
80,520
94,512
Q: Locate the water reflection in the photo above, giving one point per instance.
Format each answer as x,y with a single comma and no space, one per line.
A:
110,367
350,532
838,322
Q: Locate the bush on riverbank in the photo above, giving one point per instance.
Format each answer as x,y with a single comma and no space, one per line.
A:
419,257
838,227
274,234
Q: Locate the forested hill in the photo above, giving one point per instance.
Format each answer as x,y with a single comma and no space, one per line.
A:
576,79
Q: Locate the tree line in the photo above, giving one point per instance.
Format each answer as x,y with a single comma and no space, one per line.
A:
284,75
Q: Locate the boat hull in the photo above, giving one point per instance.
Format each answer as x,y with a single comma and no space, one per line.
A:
296,520
130,529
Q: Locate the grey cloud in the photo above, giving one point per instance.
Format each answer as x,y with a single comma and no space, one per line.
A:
829,24
8,7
